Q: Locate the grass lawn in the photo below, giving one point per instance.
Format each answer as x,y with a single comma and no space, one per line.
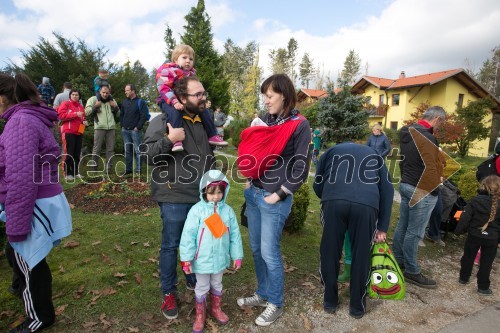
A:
105,274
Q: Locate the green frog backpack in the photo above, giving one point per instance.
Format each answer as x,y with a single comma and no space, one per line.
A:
386,278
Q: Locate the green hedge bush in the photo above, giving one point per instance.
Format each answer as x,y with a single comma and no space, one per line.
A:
298,215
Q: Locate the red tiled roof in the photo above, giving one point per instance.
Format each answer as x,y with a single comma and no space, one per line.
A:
378,81
313,92
426,79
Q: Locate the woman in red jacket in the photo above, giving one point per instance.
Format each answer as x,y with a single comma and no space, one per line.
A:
72,115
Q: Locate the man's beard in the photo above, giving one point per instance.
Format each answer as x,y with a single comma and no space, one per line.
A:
194,108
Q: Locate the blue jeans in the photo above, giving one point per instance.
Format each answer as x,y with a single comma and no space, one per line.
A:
265,225
173,216
411,227
131,141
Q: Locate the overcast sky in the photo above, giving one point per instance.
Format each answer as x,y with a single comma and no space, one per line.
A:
417,36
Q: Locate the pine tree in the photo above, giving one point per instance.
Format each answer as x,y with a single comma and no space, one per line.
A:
208,63
279,61
306,70
292,48
170,43
352,68
342,115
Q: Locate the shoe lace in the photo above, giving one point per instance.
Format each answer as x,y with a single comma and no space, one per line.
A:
269,311
169,302
253,299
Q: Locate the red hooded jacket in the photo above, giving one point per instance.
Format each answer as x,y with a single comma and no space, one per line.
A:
67,114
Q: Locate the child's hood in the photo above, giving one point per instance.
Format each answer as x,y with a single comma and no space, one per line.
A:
213,176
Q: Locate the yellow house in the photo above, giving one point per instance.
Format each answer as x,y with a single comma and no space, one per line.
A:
309,96
395,100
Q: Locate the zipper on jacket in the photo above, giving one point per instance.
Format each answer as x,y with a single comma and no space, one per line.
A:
199,244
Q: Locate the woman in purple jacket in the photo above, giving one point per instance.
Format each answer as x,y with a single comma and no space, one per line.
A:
32,204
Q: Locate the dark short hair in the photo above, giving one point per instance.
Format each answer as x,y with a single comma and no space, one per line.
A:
281,84
75,90
181,86
67,85
132,87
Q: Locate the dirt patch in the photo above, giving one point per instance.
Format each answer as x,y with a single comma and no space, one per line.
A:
129,196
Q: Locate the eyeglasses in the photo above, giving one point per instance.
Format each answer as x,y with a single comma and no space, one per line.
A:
199,95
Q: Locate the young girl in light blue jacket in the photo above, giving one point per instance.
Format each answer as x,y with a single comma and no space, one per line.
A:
210,238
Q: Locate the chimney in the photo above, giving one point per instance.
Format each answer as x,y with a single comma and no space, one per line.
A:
402,75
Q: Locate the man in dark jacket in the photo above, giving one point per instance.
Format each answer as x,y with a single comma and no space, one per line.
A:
133,116
175,179
418,189
343,170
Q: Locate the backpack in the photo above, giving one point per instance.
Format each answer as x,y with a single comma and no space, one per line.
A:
386,279
487,168
148,115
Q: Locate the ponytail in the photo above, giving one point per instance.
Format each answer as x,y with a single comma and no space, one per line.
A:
26,89
491,184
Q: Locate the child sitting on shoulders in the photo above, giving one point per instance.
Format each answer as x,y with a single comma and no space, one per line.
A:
480,219
210,237
166,77
101,80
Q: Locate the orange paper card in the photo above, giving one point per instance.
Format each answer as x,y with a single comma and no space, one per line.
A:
458,214
215,224
81,128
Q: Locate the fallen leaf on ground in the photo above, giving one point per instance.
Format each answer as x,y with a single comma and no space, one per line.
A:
109,291
134,243
89,324
105,258
156,275
135,211
146,244
307,323
214,328
6,313
133,329
119,275
138,278
153,260
71,206
61,268
247,310
309,285
58,295
60,309
116,213
96,243
289,269
71,244
86,260
118,248
103,320
147,214
129,262
229,271
121,283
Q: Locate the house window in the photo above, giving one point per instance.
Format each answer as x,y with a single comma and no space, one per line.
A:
369,100
380,100
460,102
394,125
395,99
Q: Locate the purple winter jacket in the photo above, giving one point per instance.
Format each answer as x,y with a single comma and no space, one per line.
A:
29,156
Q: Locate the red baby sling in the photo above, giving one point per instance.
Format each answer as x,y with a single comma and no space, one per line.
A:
261,145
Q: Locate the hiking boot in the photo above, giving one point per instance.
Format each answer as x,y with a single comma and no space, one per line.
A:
215,309
486,292
463,281
169,306
201,314
437,241
254,300
421,243
217,141
346,275
178,146
420,280
329,308
69,178
356,316
24,327
269,316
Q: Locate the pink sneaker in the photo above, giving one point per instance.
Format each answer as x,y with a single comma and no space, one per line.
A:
217,141
178,146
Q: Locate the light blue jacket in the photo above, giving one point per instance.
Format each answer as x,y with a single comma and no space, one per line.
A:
209,255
